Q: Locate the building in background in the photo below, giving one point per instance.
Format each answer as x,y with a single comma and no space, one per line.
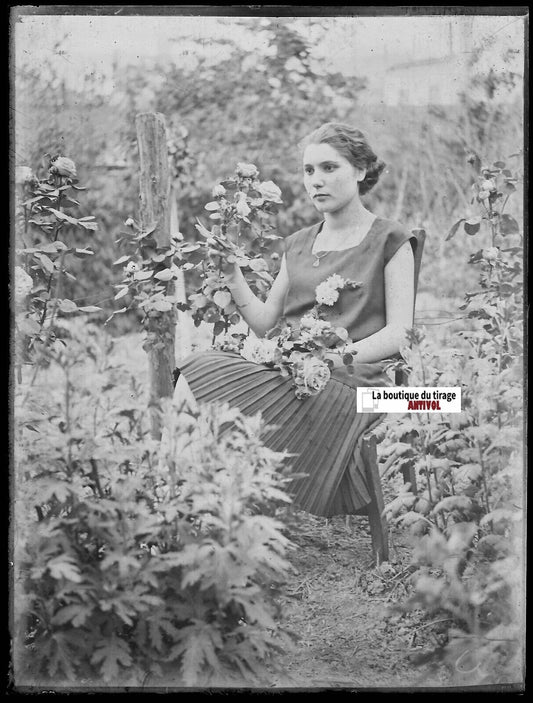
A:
438,69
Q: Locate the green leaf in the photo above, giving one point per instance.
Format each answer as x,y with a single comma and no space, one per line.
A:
258,265
213,205
64,567
81,253
122,260
162,305
89,225
142,275
165,275
46,262
219,327
76,614
203,231
122,292
198,647
459,502
89,308
222,298
508,225
116,312
454,229
472,225
111,653
62,216
67,306
469,472
188,248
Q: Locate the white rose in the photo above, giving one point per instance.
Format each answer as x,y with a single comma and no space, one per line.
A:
311,375
336,281
64,167
488,184
492,253
270,191
260,351
326,294
314,326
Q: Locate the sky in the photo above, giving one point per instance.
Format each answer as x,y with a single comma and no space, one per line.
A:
353,45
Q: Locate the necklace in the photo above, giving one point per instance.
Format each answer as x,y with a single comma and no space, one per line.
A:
319,256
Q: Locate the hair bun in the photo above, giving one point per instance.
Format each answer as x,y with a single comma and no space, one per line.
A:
373,172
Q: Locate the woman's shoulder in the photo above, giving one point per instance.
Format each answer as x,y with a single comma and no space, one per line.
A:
394,234
389,226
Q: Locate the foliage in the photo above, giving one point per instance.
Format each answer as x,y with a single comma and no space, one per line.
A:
467,513
242,208
44,218
134,563
149,278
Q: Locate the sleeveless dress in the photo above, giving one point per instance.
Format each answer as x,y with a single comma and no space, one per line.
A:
323,432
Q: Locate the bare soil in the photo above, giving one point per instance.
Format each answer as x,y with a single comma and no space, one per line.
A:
341,607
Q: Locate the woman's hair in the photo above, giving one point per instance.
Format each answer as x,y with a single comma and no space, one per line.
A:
352,144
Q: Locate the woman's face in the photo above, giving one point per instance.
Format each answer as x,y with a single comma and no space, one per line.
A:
331,181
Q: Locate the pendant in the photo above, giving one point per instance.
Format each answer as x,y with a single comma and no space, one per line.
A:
316,262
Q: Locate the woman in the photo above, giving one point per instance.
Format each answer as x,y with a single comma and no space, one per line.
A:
324,432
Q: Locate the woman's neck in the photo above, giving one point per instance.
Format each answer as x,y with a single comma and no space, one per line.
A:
351,222
353,214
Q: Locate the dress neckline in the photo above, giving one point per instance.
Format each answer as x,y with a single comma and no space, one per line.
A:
354,246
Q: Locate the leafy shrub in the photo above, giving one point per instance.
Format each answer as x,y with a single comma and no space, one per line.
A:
44,219
466,516
131,565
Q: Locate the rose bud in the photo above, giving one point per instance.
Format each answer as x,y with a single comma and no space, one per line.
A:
246,170
63,167
219,191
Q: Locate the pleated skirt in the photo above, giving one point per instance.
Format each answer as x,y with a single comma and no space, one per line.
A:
323,433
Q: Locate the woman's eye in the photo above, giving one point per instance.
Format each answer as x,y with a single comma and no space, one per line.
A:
308,170
329,168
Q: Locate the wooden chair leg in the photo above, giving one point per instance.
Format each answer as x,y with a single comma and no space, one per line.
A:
378,523
409,476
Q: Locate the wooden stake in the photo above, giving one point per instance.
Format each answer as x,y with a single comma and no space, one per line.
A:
154,185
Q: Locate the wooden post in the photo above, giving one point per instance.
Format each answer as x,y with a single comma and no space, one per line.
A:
154,184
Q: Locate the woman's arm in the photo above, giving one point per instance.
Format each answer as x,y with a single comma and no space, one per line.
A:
261,316
399,303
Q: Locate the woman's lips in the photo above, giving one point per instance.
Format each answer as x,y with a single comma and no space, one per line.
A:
320,196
